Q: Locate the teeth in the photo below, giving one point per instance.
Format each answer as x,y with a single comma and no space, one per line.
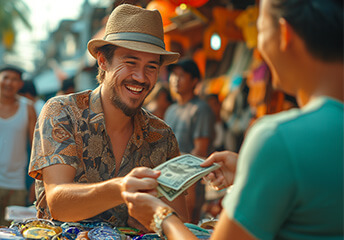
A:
135,89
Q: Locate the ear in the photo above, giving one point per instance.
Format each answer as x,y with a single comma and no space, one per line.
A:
286,34
101,61
195,82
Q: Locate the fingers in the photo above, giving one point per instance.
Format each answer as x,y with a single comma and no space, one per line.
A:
144,172
217,157
133,184
219,179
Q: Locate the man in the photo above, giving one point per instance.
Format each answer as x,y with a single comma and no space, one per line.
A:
289,178
192,121
17,121
86,144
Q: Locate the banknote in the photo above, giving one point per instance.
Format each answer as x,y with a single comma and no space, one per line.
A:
180,173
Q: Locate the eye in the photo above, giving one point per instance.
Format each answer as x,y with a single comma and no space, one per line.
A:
151,68
131,63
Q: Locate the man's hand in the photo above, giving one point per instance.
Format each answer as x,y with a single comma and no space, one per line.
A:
141,179
142,206
222,177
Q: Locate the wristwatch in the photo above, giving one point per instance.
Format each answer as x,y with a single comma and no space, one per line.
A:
160,215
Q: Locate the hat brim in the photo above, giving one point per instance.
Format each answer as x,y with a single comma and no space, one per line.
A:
167,57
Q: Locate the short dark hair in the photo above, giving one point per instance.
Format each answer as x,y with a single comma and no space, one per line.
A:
108,51
188,65
12,68
28,87
319,23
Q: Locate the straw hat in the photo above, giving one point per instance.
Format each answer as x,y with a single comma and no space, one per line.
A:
137,29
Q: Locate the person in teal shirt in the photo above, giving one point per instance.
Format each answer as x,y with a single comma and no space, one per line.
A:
288,181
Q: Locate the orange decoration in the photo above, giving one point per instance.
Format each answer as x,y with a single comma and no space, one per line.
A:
191,3
166,9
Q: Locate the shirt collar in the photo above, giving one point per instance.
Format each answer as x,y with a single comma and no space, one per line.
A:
141,119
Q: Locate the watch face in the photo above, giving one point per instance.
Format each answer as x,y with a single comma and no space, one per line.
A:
103,233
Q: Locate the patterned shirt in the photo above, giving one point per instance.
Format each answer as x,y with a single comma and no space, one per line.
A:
71,130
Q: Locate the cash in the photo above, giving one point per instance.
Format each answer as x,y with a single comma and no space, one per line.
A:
179,173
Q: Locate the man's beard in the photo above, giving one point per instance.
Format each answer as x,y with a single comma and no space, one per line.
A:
128,111
117,101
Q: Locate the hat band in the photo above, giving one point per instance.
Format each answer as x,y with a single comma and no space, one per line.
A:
135,36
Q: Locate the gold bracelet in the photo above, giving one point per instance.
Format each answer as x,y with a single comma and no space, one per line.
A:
160,215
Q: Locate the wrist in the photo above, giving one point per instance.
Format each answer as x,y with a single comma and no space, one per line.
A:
161,214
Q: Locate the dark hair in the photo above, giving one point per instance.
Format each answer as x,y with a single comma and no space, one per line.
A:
318,22
12,68
28,87
67,83
188,65
108,52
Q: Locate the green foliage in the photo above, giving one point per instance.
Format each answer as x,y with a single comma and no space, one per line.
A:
12,11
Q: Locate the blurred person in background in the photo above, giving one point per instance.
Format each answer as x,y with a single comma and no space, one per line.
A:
68,86
289,178
159,103
192,121
220,126
17,121
29,91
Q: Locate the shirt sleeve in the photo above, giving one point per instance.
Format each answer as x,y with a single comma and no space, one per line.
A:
264,189
54,139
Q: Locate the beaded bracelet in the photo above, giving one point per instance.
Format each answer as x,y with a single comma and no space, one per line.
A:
160,215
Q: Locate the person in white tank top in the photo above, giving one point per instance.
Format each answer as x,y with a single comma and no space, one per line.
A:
17,121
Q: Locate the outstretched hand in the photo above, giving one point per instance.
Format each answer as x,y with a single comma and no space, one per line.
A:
141,179
142,206
222,177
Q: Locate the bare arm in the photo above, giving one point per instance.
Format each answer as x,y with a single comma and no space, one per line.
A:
70,201
32,121
201,147
227,228
179,204
142,206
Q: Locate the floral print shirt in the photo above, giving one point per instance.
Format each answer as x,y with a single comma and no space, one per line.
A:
71,130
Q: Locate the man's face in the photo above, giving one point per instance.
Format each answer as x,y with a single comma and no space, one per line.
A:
181,82
268,42
130,78
10,83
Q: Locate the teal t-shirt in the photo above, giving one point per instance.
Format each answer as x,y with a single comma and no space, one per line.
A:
289,180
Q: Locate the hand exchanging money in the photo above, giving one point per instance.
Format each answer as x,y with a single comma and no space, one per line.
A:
224,176
142,206
140,179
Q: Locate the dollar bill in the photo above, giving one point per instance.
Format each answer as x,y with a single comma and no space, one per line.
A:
180,173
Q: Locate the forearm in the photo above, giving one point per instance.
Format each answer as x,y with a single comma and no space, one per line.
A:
75,202
200,147
174,229
179,205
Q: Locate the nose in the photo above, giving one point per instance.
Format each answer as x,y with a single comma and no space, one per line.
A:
139,75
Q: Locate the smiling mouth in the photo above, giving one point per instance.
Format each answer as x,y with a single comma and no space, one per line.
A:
134,89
